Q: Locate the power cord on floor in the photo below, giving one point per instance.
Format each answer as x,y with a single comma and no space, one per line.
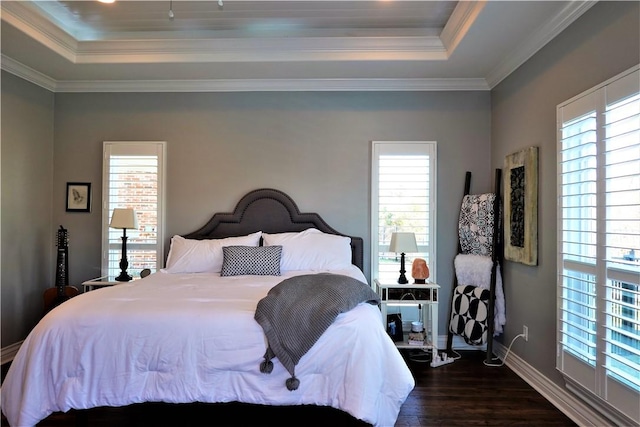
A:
414,357
505,356
425,355
457,355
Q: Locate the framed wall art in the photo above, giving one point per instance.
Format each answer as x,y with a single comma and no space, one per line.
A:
521,206
78,197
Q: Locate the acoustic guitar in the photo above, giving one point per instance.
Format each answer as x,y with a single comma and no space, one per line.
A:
55,296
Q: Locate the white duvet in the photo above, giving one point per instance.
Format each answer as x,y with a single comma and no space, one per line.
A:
192,338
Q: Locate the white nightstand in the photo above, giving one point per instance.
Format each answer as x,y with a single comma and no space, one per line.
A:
101,282
426,295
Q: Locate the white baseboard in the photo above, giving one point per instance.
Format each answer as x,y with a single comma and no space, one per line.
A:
572,406
9,352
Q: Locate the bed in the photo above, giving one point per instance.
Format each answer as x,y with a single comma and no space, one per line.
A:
190,332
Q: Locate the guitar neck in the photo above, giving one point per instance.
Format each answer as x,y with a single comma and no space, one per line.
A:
61,270
63,240
62,262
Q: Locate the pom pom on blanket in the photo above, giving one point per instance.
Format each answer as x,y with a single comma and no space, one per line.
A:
266,366
475,270
293,383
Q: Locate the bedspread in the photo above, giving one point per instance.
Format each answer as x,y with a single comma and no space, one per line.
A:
182,338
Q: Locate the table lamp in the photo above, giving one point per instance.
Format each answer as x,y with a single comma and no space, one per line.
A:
124,218
403,243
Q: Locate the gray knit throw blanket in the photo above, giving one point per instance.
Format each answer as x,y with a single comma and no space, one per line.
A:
297,311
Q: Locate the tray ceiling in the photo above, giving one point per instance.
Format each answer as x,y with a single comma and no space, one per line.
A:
275,45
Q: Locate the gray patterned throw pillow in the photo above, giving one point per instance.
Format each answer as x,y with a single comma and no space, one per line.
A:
251,260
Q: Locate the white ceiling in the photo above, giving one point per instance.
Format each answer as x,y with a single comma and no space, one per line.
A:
133,45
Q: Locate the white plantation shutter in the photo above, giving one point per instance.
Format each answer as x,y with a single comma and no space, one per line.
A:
133,177
622,216
578,212
599,242
403,199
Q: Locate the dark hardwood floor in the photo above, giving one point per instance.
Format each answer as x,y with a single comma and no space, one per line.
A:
463,393
469,393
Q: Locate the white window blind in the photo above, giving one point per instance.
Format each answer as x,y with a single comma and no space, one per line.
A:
599,242
403,199
133,177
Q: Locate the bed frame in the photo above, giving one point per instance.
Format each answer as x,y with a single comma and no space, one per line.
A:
270,211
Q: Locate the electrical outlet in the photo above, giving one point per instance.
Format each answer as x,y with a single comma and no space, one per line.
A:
525,332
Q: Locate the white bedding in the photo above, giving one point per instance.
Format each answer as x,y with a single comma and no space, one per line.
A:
192,338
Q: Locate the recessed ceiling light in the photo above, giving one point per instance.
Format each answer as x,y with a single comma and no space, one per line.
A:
106,1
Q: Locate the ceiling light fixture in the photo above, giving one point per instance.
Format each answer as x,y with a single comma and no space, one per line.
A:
171,15
107,1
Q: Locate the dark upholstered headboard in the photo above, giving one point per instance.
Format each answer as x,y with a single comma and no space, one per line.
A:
270,211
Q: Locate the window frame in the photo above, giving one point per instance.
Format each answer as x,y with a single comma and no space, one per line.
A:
587,273
131,148
404,148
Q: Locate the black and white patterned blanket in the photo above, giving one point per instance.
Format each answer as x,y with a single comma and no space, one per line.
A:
469,314
476,224
298,310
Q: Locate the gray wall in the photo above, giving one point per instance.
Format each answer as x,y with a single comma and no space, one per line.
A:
601,44
26,264
314,146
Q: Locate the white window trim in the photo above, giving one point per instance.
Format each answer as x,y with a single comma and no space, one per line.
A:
411,146
612,398
161,199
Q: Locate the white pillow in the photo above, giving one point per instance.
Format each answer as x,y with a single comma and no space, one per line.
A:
203,256
311,249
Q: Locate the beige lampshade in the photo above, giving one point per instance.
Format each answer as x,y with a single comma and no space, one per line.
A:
124,218
403,243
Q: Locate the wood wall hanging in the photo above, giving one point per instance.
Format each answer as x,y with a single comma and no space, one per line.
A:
521,206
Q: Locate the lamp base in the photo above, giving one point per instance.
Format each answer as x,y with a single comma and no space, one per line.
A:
402,279
124,263
124,277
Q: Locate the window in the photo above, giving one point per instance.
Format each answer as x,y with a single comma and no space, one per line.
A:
403,186
133,177
599,242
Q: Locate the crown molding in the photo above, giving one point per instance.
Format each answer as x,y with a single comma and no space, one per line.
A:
24,17
408,48
461,20
243,85
572,11
29,74
275,85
